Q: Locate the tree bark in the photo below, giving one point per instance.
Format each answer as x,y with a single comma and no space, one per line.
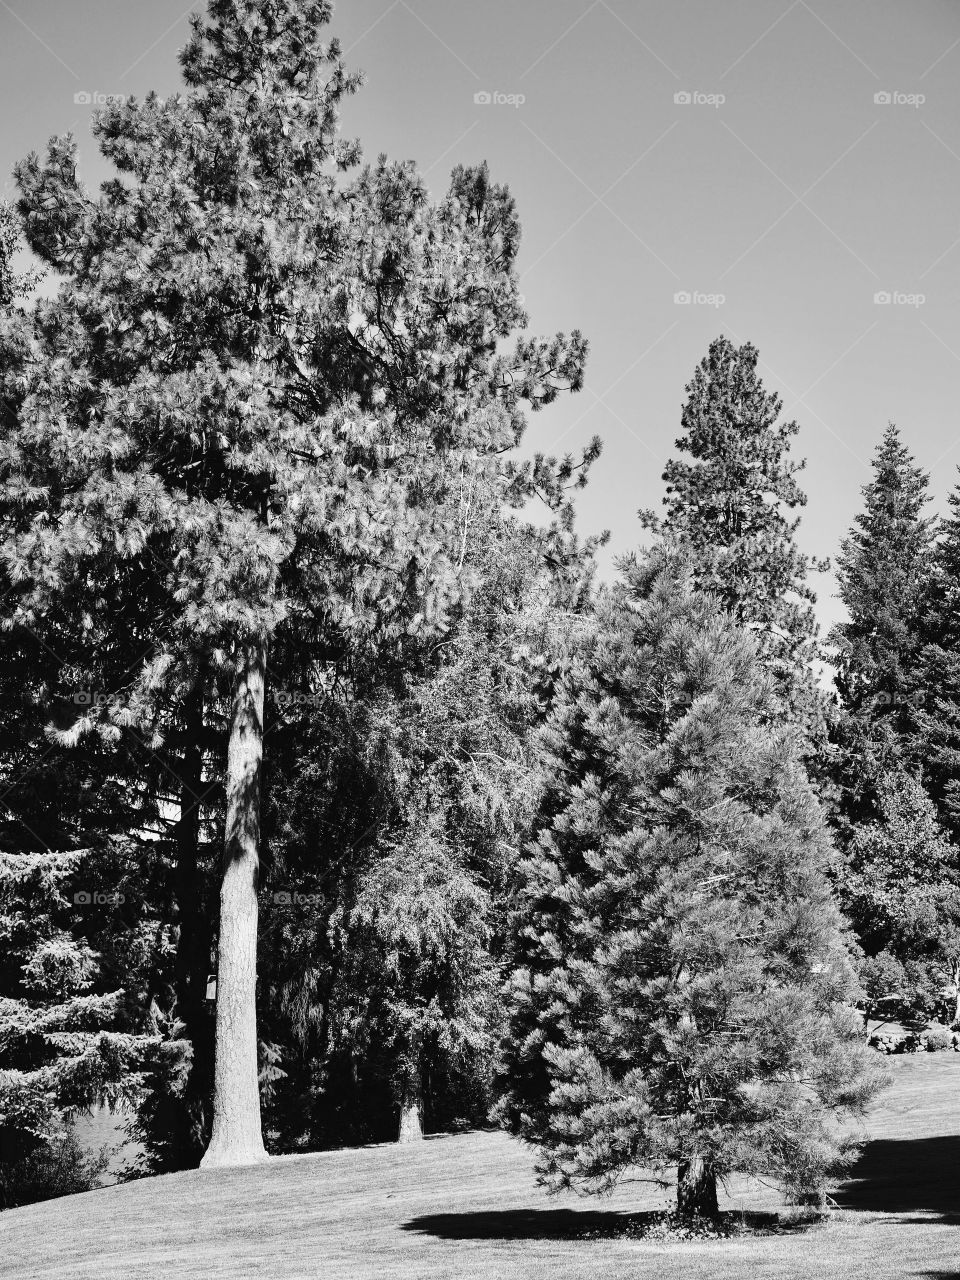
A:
696,1189
411,1118
237,1137
411,1107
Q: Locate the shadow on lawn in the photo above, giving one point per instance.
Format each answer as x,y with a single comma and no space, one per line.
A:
560,1224
519,1224
904,1176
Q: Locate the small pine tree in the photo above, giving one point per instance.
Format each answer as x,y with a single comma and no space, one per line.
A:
900,889
63,1044
418,952
682,993
726,496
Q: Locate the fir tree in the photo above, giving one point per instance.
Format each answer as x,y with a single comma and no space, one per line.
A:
421,977
682,993
385,995
728,496
246,405
71,976
456,751
884,574
900,888
65,1043
935,741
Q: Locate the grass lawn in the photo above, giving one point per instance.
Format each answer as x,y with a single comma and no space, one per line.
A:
468,1206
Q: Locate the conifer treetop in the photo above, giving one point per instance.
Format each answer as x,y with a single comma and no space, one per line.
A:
728,497
263,372
883,571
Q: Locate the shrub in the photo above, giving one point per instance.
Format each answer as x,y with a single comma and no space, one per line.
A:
60,1167
937,1039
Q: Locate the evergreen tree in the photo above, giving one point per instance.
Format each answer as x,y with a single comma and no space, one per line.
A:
384,996
421,976
900,888
245,407
884,573
76,978
728,496
935,743
456,749
65,1043
682,993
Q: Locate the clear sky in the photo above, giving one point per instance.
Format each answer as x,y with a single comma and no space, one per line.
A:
783,186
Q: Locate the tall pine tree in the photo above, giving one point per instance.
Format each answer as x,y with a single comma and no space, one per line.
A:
935,741
883,571
245,407
884,575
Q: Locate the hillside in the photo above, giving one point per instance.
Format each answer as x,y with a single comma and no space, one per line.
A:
468,1206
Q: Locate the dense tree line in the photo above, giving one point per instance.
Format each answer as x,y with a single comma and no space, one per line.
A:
339,801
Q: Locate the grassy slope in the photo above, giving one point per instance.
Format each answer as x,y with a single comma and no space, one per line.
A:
468,1206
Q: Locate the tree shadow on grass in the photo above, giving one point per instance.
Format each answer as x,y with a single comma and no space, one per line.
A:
567,1224
899,1177
520,1224
916,1175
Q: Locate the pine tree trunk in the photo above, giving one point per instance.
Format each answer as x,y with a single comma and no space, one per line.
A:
237,1138
411,1118
696,1189
411,1107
